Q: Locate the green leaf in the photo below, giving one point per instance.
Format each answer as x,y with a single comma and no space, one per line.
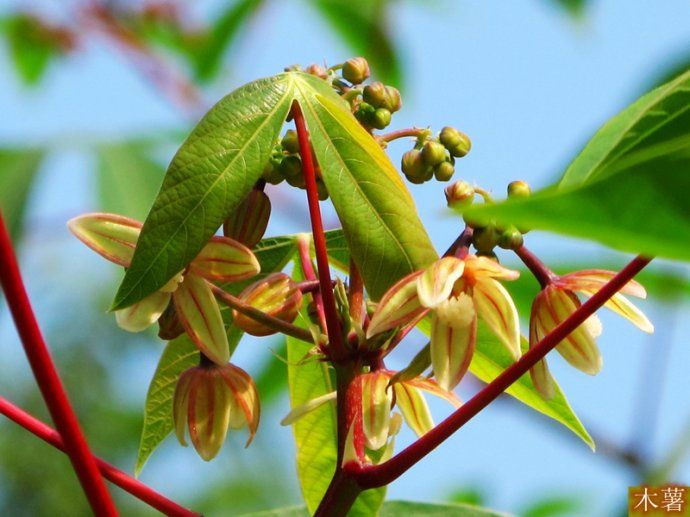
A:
212,172
32,46
128,179
575,8
491,358
555,506
179,355
379,218
363,25
315,432
223,33
18,168
628,188
397,509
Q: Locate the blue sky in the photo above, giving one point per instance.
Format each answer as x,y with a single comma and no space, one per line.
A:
529,85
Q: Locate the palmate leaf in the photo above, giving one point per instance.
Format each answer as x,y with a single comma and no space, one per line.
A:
315,432
627,188
225,154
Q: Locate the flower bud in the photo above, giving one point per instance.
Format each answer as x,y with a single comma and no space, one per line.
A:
317,70
247,224
271,173
356,70
459,195
290,142
322,190
518,189
381,119
375,94
210,399
485,238
414,166
457,142
276,295
393,99
510,239
112,236
444,171
433,153
377,399
291,168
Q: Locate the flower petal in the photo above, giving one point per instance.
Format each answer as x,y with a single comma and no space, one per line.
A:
208,413
398,306
621,305
180,400
413,408
435,284
579,348
485,267
298,412
495,306
539,373
200,316
453,336
430,386
245,407
225,260
143,314
112,236
593,279
377,400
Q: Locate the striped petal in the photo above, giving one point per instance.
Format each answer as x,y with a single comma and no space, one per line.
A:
495,306
180,401
593,279
200,316
225,260
579,348
430,386
377,400
208,412
398,306
245,410
539,373
143,314
485,267
621,305
112,236
453,336
435,284
413,408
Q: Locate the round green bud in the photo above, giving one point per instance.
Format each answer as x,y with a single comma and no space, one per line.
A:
444,171
380,119
323,191
485,238
519,188
272,173
291,167
356,70
414,166
364,113
459,194
433,153
290,142
457,142
510,239
393,99
375,94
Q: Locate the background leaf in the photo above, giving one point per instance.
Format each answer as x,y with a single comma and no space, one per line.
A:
628,188
397,509
379,218
18,169
179,355
128,179
32,46
210,175
363,25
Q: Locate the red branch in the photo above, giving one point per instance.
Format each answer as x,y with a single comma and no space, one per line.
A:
542,273
49,382
111,473
335,339
370,476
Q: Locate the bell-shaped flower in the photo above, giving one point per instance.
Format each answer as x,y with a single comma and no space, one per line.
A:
208,401
558,300
457,291
115,237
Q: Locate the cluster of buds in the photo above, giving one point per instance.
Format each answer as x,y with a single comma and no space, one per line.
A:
435,157
285,164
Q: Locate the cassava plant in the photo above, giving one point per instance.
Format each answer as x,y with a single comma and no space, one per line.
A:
345,299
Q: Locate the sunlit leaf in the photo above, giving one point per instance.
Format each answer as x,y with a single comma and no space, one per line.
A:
627,188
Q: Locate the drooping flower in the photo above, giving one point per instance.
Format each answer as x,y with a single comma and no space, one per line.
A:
558,300
114,237
457,291
211,399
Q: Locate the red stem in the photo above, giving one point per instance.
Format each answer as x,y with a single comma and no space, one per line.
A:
303,243
542,273
335,339
49,382
370,476
111,473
